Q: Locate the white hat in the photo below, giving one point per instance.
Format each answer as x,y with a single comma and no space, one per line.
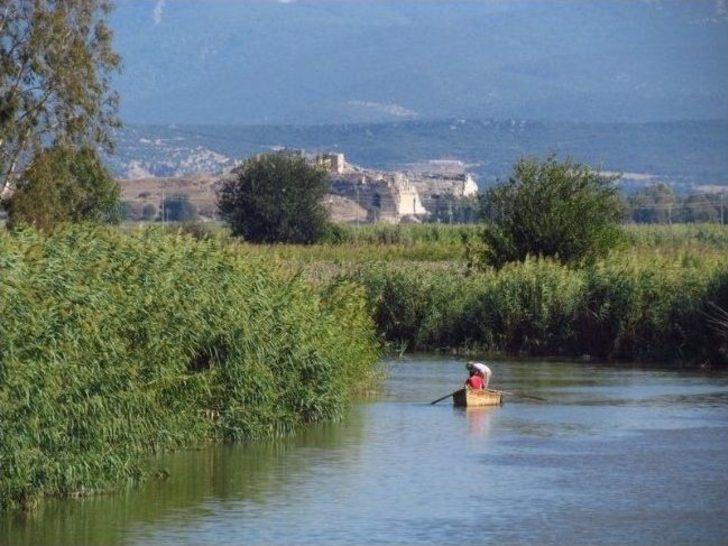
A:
482,368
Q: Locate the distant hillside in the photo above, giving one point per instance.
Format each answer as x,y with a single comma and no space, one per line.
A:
343,61
685,154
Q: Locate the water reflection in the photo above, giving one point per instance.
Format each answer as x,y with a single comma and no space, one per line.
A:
613,456
480,420
220,472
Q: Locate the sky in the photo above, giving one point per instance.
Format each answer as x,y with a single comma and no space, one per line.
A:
347,61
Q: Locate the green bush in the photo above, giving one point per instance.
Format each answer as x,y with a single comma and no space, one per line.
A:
115,345
149,212
275,198
561,210
63,185
629,306
177,207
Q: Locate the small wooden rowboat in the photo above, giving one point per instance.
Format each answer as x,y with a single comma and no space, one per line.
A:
472,398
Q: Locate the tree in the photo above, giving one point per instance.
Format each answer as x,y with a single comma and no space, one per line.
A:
276,198
698,208
549,208
128,210
178,208
455,210
149,212
56,62
655,204
62,185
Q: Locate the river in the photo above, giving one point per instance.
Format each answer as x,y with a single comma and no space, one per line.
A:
613,455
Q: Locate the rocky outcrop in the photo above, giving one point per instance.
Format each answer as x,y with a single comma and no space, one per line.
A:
357,195
392,197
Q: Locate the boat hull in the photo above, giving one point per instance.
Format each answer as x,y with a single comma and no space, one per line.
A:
471,398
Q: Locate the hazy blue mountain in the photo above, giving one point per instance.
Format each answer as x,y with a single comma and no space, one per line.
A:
683,153
343,61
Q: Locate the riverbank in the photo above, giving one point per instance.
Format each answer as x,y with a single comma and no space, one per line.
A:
657,298
640,447
117,345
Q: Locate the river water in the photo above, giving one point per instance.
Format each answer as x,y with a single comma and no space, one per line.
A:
613,456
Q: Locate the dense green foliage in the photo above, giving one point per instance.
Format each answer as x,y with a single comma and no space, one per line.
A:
275,198
623,308
703,238
548,208
149,212
657,299
403,234
62,185
177,207
118,344
658,204
56,63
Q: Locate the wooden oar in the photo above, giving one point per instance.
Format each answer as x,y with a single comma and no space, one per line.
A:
443,398
510,393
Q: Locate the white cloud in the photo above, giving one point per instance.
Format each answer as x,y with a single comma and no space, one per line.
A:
391,109
158,11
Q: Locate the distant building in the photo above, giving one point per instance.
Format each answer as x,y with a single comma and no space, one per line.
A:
357,195
335,163
367,195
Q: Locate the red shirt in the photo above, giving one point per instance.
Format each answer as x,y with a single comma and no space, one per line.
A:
474,382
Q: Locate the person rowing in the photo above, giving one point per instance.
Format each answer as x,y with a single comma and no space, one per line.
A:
478,380
480,375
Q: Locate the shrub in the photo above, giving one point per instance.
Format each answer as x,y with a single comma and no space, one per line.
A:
149,212
177,207
128,210
630,306
63,185
275,198
548,208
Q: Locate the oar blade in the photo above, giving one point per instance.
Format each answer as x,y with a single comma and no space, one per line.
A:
443,398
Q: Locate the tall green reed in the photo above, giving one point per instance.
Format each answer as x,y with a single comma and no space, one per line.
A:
114,345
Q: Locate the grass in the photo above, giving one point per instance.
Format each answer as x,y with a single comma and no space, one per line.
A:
116,345
658,298
641,310
119,343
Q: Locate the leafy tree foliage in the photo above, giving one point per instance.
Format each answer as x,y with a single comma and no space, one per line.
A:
455,210
550,208
177,207
56,62
698,208
655,204
149,212
276,198
61,185
128,210
658,204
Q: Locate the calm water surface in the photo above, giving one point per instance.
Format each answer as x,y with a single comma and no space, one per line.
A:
614,456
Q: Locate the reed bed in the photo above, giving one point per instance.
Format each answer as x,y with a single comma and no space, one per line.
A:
626,307
117,344
708,236
657,298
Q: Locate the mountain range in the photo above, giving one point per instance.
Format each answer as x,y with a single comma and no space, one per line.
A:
685,154
289,62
